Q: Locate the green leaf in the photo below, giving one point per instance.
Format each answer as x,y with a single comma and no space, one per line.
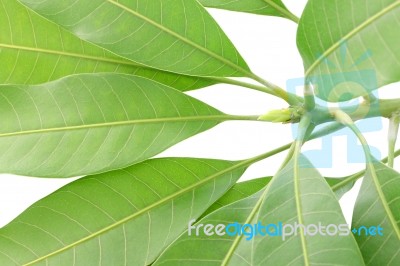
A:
378,204
123,217
239,191
213,248
341,185
242,190
177,36
350,48
260,7
290,197
92,123
34,50
393,132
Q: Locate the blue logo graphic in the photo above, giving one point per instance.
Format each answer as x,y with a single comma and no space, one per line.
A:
338,84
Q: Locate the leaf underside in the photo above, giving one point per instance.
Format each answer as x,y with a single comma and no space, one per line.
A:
123,217
92,123
238,192
350,48
378,204
35,50
259,7
245,189
277,205
95,87
160,35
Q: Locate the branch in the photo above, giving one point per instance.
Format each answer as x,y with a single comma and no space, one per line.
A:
358,175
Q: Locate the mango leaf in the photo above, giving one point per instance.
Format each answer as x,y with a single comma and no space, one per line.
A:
341,185
213,248
176,36
34,50
289,198
91,123
239,191
378,205
242,190
260,7
349,48
123,217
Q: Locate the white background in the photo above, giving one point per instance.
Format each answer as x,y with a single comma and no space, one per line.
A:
269,46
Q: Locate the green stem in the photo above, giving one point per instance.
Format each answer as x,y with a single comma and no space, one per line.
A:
370,98
320,133
304,126
348,180
267,88
289,155
290,98
309,99
392,137
383,108
243,84
332,127
240,118
266,155
293,17
358,175
346,120
283,11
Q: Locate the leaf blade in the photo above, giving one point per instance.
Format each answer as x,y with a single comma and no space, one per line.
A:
89,123
270,207
181,52
238,192
245,189
349,29
378,204
259,7
145,190
47,52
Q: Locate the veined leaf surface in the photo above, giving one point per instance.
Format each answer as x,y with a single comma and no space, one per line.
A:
378,204
174,35
91,123
350,48
260,7
290,197
341,185
245,189
123,217
34,50
238,192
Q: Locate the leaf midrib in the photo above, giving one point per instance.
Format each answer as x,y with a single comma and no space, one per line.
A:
281,10
384,202
142,211
183,39
128,122
249,219
351,34
299,211
256,208
68,54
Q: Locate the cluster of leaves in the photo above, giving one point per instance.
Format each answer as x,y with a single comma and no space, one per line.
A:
96,88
